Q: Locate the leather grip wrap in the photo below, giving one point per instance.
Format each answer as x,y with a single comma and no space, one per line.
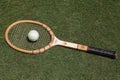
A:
102,52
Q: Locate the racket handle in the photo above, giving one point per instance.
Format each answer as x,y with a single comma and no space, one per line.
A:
102,52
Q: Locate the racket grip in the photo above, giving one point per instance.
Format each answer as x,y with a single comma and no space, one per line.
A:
102,52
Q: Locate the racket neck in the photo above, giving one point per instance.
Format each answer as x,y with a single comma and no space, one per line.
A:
69,44
64,43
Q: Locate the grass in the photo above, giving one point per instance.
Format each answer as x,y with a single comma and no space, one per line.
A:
91,22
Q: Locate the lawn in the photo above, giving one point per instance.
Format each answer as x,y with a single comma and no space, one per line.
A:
90,22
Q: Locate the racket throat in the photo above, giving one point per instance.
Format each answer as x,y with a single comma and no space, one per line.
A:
64,43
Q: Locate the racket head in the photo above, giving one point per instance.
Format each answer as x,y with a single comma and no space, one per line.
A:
46,30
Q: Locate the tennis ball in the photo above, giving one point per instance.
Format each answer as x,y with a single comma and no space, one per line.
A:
33,35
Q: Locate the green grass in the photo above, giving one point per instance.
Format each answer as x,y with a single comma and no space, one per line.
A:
90,22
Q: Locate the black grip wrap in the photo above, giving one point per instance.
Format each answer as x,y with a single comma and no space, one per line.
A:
102,52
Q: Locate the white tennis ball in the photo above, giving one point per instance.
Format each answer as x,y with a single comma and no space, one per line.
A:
33,35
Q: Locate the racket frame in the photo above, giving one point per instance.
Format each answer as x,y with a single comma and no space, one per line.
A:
55,41
29,51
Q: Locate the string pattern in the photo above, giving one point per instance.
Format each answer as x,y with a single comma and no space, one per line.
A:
18,36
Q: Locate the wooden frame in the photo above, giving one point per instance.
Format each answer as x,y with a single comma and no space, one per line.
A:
29,51
54,40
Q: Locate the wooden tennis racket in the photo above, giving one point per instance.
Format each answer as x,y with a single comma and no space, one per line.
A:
16,33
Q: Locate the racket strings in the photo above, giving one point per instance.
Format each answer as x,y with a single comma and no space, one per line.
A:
18,36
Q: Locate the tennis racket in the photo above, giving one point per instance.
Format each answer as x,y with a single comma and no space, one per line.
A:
16,33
